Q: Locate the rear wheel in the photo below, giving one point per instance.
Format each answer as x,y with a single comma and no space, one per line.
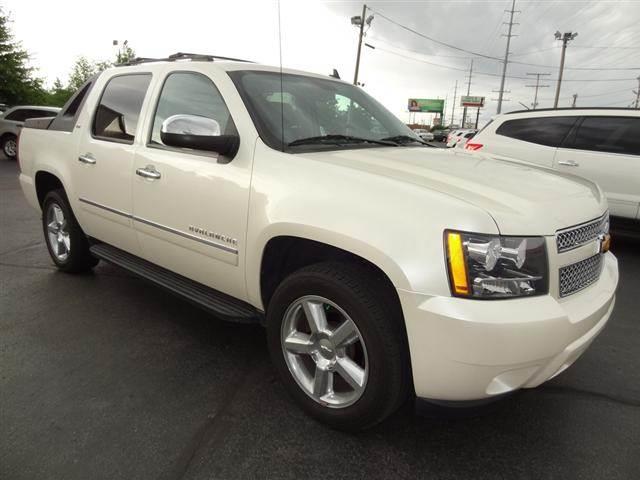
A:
336,338
10,146
66,242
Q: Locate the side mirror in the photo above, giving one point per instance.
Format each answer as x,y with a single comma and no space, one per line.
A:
198,133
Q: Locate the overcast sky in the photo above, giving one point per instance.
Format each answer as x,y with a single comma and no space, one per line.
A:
317,36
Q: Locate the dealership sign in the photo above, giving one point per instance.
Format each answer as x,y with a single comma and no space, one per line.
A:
426,105
467,101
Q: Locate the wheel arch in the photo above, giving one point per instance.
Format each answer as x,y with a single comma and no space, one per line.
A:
283,254
45,181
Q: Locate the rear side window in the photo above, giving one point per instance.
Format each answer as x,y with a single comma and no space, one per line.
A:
609,134
117,114
23,114
191,93
549,131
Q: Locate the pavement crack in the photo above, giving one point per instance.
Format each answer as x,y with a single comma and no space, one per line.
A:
209,430
22,248
588,393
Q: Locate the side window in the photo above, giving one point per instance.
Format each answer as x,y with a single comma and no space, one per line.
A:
549,131
117,115
41,113
609,134
75,103
190,93
16,115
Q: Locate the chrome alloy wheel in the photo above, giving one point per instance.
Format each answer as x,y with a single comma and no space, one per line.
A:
58,232
10,148
324,351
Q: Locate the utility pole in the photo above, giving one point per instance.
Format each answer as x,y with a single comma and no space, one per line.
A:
360,21
575,97
506,52
464,112
534,105
637,92
566,37
453,105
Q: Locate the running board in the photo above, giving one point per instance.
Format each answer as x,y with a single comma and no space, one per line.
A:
219,304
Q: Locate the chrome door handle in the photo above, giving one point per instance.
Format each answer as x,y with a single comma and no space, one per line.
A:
148,172
87,158
569,163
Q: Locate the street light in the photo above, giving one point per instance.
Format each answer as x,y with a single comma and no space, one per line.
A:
565,37
358,22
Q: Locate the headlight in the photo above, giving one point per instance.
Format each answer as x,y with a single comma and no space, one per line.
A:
493,266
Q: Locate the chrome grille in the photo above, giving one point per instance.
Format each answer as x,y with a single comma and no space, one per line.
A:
576,236
580,275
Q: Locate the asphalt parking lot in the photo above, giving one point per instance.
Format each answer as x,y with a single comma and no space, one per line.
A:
105,376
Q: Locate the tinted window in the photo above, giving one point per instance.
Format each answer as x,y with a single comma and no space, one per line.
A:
294,107
190,94
548,131
76,101
609,134
117,114
23,114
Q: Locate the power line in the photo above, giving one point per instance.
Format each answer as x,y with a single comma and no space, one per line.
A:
391,52
537,86
506,53
490,57
476,54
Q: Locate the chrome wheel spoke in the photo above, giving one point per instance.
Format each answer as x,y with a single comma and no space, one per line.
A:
57,213
53,227
66,241
322,382
314,311
298,342
324,351
351,372
345,334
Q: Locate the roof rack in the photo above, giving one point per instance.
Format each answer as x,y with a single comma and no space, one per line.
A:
197,57
562,109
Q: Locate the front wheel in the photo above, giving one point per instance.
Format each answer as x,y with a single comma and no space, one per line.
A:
336,337
10,146
66,242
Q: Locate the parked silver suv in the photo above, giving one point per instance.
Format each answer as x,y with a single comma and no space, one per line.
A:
12,120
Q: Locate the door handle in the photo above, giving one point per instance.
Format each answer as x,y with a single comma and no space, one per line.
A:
569,163
87,158
148,172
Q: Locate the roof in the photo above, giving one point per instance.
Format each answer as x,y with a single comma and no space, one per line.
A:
223,63
572,109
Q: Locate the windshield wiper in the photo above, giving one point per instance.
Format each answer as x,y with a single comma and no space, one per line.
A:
339,139
400,139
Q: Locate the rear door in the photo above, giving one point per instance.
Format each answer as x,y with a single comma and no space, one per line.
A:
533,140
606,150
104,165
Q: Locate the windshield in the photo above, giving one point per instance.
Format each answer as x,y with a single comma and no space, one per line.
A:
317,113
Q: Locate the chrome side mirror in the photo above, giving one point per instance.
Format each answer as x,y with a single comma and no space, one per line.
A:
198,133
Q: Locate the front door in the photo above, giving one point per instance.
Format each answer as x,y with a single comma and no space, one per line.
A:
606,150
104,164
190,206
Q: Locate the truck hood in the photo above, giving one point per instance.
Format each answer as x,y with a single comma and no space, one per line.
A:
523,199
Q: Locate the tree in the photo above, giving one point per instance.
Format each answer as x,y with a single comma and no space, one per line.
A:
82,71
126,54
18,85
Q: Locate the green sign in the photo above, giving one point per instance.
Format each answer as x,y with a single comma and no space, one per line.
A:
433,105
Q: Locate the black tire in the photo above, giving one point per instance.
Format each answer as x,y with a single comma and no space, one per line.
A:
9,146
79,258
376,312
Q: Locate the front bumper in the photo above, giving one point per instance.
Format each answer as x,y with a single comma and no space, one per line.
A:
464,349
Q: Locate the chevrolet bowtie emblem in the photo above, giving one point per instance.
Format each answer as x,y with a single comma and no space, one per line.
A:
605,242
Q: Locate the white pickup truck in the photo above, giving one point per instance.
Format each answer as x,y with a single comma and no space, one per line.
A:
381,267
